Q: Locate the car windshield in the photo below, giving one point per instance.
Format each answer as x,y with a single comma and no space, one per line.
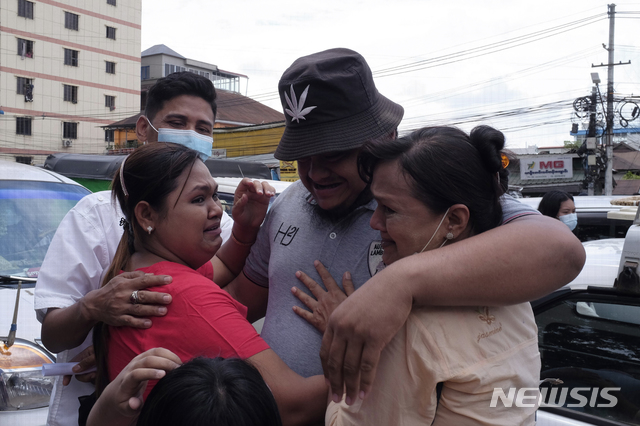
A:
30,213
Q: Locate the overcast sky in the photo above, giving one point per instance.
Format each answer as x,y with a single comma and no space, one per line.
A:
515,65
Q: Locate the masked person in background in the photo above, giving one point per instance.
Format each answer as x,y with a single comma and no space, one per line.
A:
560,205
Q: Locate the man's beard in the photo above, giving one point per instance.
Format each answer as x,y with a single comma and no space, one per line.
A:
338,213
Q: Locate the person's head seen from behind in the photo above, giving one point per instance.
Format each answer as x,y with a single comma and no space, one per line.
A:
435,186
204,391
332,108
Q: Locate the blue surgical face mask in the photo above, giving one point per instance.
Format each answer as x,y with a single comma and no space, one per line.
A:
571,220
189,138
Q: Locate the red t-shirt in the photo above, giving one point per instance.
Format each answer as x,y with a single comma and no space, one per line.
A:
202,320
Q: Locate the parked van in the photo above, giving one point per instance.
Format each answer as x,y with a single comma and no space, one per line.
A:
95,172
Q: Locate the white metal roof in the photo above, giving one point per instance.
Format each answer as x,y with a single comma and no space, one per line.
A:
17,171
229,185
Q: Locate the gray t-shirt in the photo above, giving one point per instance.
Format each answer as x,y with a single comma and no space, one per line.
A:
292,237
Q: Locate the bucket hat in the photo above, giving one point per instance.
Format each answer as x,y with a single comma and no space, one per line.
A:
331,103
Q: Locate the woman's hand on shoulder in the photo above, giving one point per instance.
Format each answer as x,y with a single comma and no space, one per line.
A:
121,401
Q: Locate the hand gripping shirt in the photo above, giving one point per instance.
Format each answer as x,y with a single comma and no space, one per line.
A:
292,237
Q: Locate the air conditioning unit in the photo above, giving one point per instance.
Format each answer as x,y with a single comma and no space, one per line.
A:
67,143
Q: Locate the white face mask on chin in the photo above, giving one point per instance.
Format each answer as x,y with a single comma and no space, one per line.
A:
435,232
189,138
571,220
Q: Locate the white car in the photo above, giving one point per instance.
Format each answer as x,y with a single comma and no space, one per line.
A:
589,338
33,201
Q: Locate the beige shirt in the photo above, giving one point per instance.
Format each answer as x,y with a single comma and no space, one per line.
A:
471,350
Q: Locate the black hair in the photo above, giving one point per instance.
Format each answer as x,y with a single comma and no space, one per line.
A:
178,84
211,392
446,167
550,203
150,174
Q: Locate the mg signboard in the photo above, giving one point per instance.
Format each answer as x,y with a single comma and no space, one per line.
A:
546,167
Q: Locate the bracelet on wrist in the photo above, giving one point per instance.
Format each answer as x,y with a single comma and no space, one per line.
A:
233,237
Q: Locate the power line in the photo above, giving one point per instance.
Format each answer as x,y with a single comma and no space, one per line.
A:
488,49
450,93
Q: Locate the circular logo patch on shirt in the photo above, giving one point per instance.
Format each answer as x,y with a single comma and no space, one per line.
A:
375,256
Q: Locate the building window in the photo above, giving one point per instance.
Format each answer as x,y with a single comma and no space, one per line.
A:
25,87
111,67
25,9
70,93
71,57
111,2
70,130
109,135
111,33
144,72
23,126
170,69
24,160
71,21
110,102
25,48
22,83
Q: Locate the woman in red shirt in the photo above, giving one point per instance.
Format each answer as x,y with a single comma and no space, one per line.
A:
172,227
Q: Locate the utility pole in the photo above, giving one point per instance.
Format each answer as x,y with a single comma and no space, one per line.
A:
608,176
590,143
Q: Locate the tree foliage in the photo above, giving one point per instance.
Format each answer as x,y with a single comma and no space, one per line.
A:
630,175
572,144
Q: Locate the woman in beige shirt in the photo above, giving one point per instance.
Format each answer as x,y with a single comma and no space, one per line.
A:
435,187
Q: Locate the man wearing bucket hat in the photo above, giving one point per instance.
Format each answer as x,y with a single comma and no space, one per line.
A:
332,107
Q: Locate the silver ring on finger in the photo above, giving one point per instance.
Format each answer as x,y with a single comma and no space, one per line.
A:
134,299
